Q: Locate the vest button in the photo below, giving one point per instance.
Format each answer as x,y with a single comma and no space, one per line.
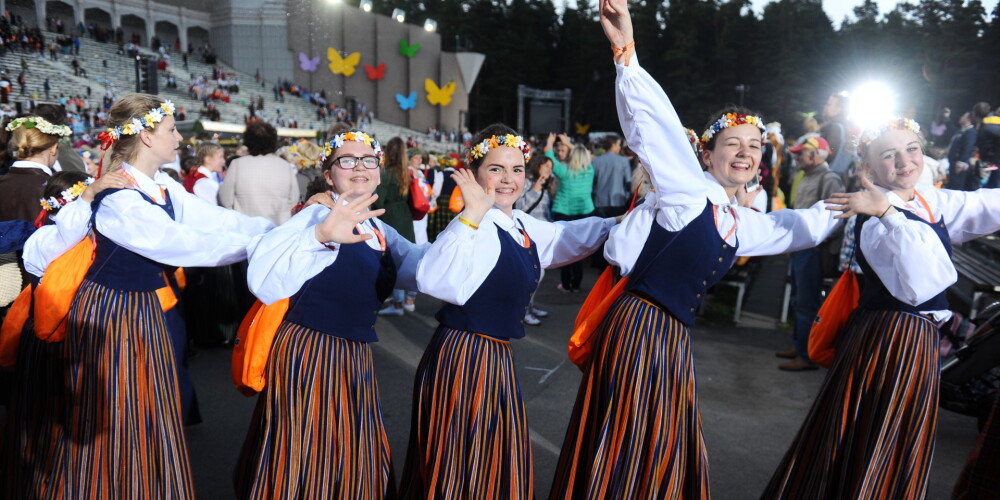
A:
704,283
535,266
697,295
725,246
713,273
692,309
720,259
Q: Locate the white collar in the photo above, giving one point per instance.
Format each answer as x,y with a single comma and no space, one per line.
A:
717,193
31,164
913,205
203,169
149,186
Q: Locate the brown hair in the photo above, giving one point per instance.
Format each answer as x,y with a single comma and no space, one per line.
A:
396,163
126,148
205,150
27,142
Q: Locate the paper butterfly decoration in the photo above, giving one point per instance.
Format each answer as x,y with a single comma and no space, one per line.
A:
581,129
342,65
407,102
307,64
408,49
439,95
376,73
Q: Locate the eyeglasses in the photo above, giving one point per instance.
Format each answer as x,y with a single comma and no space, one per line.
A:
349,162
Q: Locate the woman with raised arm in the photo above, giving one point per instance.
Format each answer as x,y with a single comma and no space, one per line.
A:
469,432
317,428
870,432
636,429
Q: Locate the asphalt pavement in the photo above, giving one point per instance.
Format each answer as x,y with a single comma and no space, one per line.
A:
750,409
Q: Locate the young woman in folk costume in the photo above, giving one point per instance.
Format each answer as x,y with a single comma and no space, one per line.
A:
870,433
636,429
38,365
121,433
317,429
469,433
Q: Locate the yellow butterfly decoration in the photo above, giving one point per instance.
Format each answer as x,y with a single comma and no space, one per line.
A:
342,65
581,129
440,96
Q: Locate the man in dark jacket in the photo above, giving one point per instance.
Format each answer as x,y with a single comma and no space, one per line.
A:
959,153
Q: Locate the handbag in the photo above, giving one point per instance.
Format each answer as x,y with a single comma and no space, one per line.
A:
54,295
252,346
419,206
592,312
456,203
832,318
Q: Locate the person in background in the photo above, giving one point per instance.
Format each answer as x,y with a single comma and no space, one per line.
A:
612,179
960,175
260,183
203,181
393,195
535,202
573,200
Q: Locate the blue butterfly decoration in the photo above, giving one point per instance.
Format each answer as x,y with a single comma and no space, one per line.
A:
407,102
307,64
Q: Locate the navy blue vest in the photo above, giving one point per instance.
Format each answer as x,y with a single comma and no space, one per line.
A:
498,306
344,298
122,269
675,269
874,295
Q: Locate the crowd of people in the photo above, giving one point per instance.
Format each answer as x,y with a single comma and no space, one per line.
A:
132,242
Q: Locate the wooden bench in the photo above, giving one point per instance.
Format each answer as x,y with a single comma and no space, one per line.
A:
977,276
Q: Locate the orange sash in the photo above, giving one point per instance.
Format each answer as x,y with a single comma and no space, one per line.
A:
252,347
59,285
13,325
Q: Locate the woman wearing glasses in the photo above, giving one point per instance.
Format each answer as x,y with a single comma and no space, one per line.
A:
317,429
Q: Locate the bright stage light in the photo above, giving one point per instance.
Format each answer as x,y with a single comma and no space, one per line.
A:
398,15
872,104
333,2
366,5
430,26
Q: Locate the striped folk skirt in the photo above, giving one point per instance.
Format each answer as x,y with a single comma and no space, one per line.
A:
469,432
118,432
870,432
317,430
33,423
636,430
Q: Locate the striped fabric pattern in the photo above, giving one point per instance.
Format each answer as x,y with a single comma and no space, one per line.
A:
33,423
122,436
870,432
469,434
317,430
636,430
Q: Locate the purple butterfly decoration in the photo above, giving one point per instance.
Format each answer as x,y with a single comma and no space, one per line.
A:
307,64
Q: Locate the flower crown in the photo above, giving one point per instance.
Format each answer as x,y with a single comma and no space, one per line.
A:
361,137
52,203
869,135
510,140
148,120
693,139
731,120
37,122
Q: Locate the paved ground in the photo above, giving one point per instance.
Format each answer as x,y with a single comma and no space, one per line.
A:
750,409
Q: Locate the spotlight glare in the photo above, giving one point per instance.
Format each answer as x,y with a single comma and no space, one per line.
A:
399,15
333,2
366,5
430,26
872,104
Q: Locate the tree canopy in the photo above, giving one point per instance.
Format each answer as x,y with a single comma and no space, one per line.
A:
787,58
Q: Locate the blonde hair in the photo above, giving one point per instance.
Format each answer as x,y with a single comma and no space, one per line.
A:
304,155
205,150
126,148
27,142
579,159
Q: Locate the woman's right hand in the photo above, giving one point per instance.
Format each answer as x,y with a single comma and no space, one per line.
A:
478,201
616,22
868,201
338,226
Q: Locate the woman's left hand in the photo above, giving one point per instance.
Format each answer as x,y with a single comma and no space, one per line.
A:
744,198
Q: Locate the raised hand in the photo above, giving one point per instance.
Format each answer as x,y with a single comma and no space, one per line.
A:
110,180
616,22
868,201
338,226
478,201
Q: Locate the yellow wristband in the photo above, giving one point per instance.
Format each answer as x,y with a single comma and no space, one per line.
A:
465,221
